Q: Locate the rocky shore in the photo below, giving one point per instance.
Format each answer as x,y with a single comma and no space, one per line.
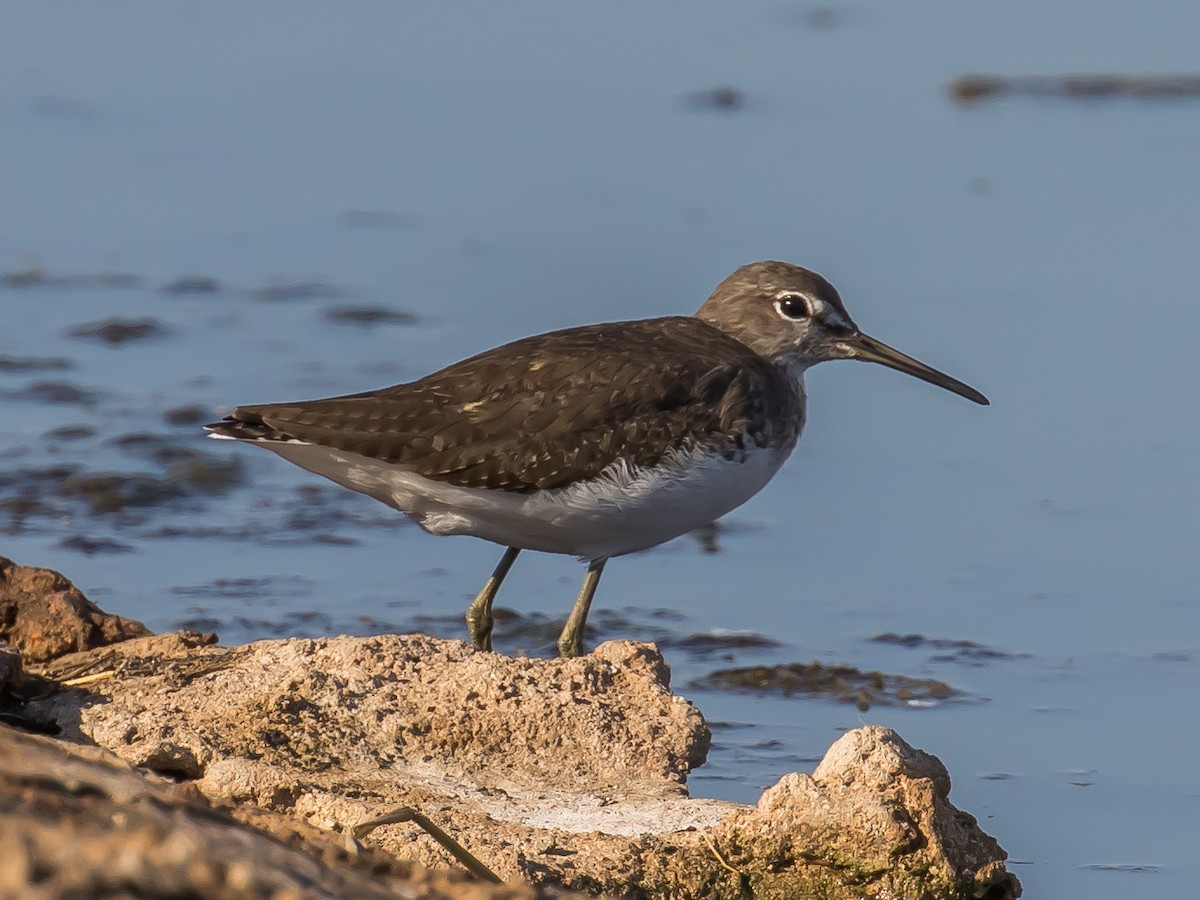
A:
145,765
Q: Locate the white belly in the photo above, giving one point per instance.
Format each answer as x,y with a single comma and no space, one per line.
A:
622,510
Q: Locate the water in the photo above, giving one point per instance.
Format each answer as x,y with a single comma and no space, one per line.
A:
500,170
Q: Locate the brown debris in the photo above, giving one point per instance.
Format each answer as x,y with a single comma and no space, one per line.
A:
45,616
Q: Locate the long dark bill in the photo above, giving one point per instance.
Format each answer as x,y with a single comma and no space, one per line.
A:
866,348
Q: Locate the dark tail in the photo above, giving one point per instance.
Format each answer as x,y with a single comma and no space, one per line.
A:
244,425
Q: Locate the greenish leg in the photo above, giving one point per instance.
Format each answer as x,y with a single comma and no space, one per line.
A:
479,613
570,642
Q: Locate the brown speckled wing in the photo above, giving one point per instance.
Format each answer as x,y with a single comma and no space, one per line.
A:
548,410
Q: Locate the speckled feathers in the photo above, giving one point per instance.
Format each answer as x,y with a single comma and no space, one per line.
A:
549,410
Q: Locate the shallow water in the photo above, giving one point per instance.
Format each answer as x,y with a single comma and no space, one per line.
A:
494,171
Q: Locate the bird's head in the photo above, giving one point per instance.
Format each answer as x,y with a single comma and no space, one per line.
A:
792,316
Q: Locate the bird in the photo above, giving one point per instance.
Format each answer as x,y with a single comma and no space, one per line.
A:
594,441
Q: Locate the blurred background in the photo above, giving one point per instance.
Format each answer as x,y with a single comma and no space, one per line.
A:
210,204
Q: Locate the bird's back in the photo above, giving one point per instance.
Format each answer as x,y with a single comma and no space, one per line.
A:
553,409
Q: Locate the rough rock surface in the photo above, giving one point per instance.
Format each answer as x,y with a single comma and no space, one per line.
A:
568,773
78,822
44,616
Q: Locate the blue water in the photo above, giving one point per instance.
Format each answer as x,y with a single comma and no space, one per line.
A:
503,169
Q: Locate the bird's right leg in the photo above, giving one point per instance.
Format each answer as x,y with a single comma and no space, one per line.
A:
479,613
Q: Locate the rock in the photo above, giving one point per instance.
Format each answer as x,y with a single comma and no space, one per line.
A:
44,616
559,773
603,722
78,822
878,813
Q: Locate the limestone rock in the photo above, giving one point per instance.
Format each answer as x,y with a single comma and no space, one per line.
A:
560,773
78,822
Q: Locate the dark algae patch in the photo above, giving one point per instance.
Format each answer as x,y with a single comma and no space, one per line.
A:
70,433
89,546
968,89
170,471
717,99
845,684
188,470
279,290
188,414
116,330
62,392
192,284
948,649
37,277
33,363
110,492
704,643
369,316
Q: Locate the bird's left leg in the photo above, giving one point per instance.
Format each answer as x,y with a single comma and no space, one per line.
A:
570,642
479,613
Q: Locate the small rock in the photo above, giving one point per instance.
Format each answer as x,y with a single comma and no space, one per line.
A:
45,616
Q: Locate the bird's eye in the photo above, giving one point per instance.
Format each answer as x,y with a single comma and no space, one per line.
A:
794,306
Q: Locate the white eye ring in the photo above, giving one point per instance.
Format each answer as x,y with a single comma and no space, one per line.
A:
793,306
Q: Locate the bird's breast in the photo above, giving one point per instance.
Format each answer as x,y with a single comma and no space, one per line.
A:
627,508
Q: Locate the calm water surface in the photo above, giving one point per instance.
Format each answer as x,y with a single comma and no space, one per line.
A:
497,170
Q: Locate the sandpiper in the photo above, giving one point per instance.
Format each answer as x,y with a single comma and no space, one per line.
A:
594,441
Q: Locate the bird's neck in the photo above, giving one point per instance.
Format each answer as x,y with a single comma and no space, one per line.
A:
794,370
